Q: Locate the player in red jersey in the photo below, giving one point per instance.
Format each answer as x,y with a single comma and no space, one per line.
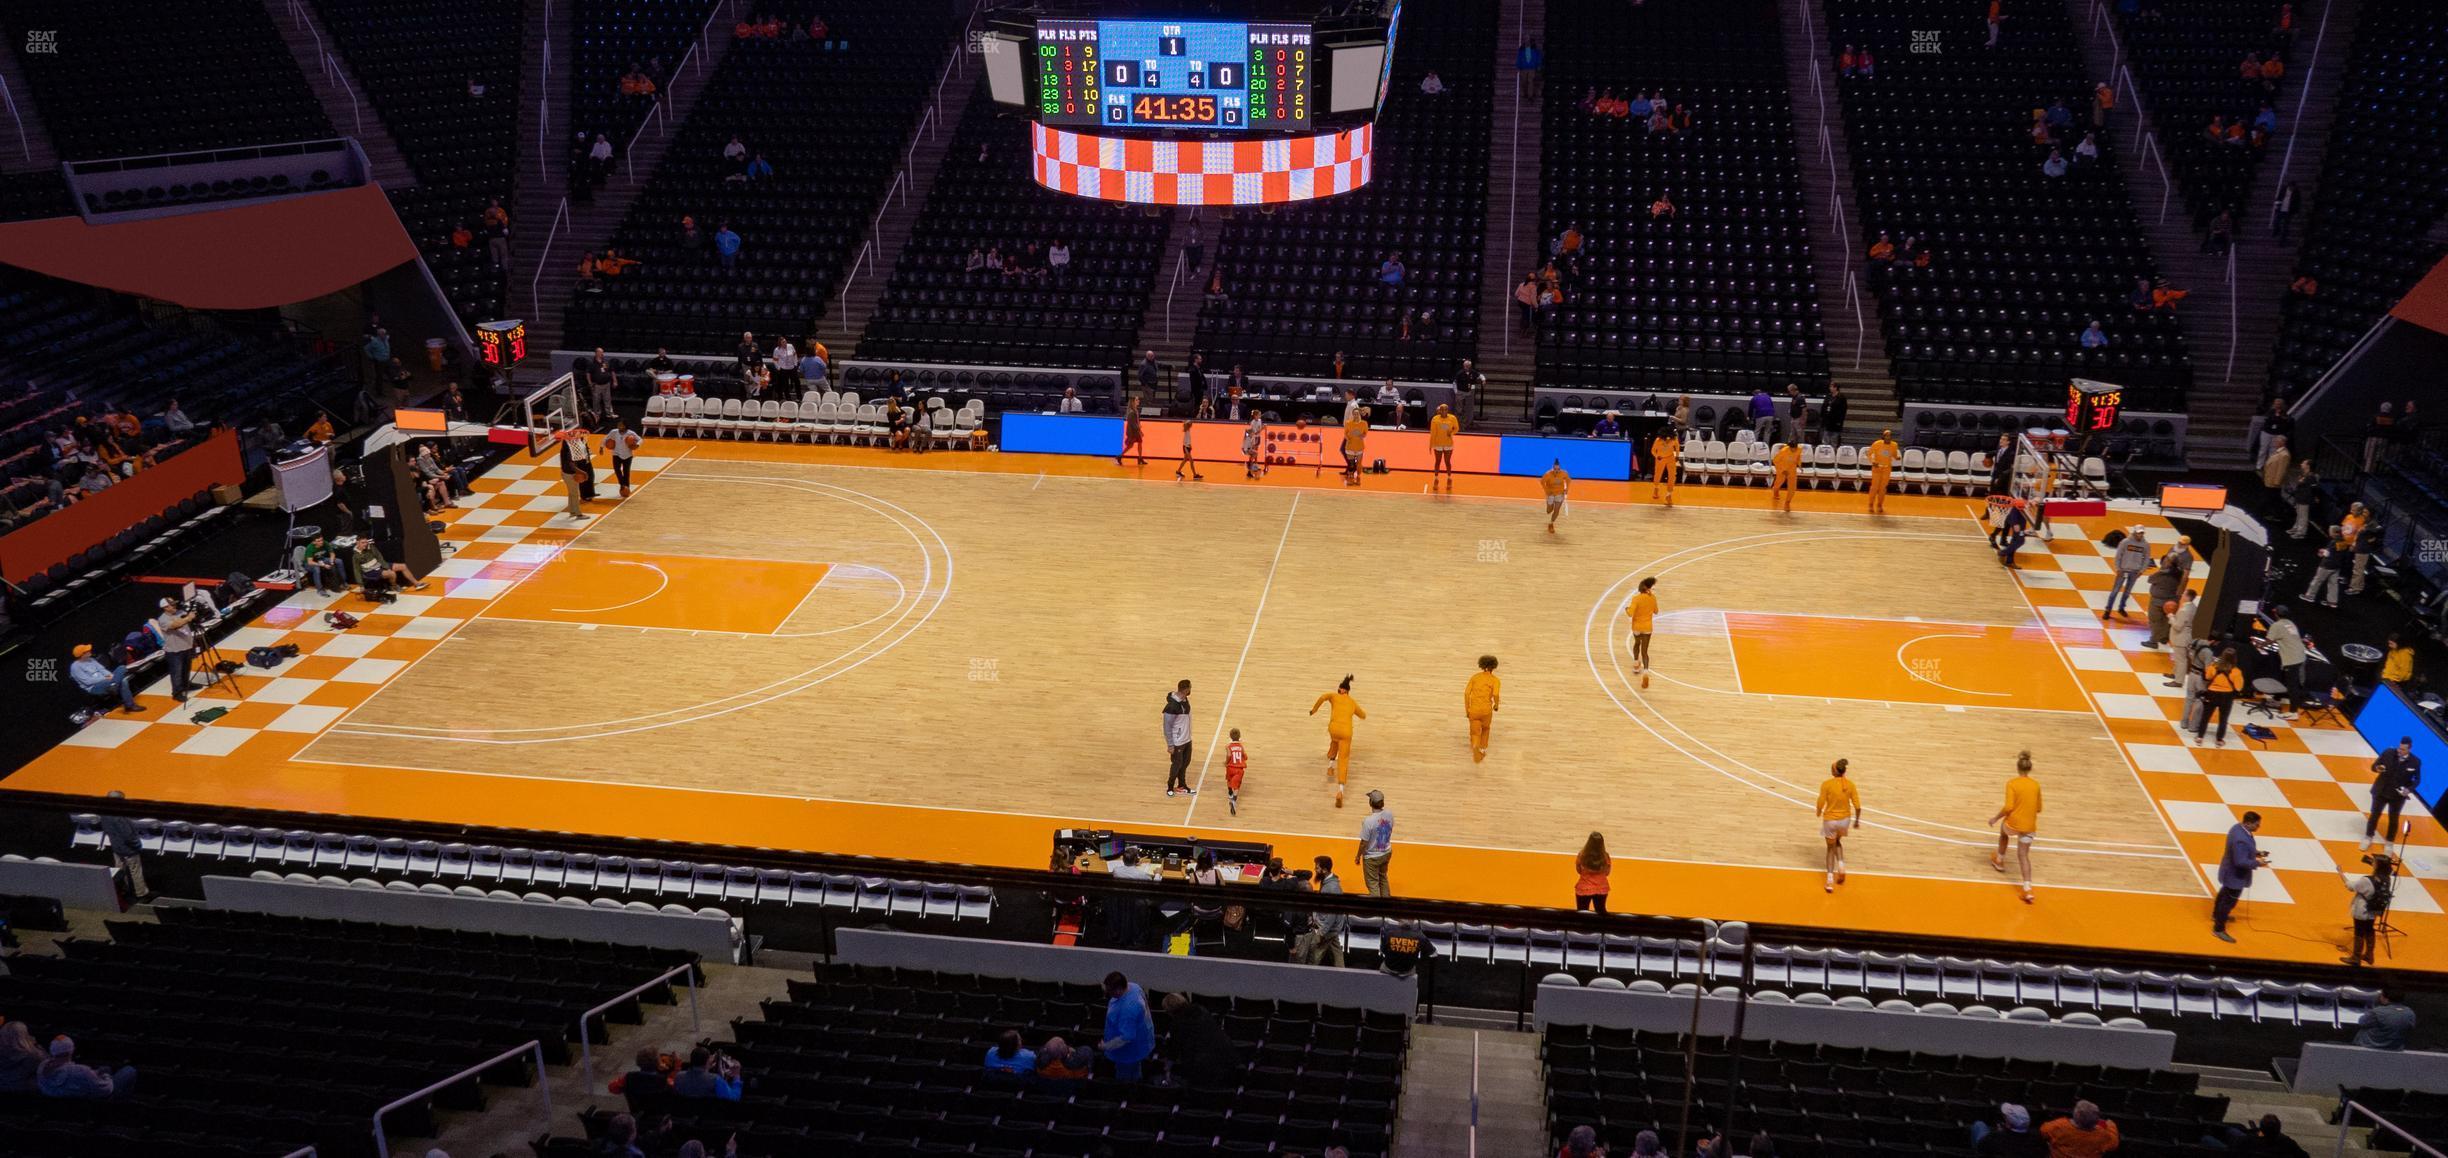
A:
1236,764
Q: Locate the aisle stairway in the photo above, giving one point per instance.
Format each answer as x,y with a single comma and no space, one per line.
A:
1856,341
845,317
1171,339
540,177
25,142
1458,1078
1509,356
344,98
590,225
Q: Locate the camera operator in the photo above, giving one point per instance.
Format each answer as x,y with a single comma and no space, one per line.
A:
176,627
2372,895
2397,772
709,1075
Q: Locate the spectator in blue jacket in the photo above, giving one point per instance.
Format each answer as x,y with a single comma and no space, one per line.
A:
709,1075
1130,1032
1009,1058
727,246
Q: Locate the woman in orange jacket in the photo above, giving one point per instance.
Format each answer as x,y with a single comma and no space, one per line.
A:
1343,710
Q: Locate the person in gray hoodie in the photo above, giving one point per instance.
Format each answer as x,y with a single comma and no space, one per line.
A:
2132,559
1177,740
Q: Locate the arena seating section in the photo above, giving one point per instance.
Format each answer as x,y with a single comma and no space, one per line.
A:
459,146
833,118
82,351
613,36
1828,1102
938,310
2382,188
1721,296
2020,263
865,1059
257,1035
2420,1114
2187,59
135,77
27,196
1302,281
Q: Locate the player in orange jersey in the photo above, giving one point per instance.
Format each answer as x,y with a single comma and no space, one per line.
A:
1236,765
1785,470
1643,612
2018,821
1839,811
1479,703
1553,484
1355,443
1441,428
1666,459
1339,732
1882,456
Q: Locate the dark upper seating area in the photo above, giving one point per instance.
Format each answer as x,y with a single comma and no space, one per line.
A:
2020,262
2420,1114
417,59
258,1035
2189,56
832,118
1829,1102
1717,295
27,196
135,77
1302,282
2382,188
615,36
865,1059
1083,314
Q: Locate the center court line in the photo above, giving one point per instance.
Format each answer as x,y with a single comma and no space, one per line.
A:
1225,709
2058,649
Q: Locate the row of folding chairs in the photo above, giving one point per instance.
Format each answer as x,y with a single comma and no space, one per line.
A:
1856,1001
1906,976
1847,467
853,423
440,890
549,869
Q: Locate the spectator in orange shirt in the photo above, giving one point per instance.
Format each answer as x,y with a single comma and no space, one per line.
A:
2084,1134
744,30
1663,208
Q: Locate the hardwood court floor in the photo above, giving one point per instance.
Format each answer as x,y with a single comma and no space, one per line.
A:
949,657
1002,643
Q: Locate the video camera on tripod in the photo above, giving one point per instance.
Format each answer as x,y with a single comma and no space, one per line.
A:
2383,882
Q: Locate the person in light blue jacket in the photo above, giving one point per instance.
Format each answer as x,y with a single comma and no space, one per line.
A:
1130,1031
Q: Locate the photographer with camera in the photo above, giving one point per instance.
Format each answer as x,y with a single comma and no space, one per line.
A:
2372,895
709,1075
176,627
2397,772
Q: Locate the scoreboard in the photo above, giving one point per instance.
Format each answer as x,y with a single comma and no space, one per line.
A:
1200,75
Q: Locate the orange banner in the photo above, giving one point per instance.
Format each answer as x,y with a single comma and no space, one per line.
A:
57,537
1287,444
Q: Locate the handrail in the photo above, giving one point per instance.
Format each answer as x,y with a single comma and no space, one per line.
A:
301,1152
2346,1123
544,100
1179,260
2167,186
2302,96
1513,182
865,248
2232,333
586,1051
535,292
382,1143
1861,328
23,141
654,113
2133,95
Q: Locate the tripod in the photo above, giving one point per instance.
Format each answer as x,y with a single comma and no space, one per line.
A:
209,660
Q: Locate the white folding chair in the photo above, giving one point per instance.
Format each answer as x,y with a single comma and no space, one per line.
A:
656,405
1958,471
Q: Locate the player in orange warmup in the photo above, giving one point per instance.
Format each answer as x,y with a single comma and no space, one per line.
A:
1554,483
1666,457
2018,821
1882,456
1441,429
1339,719
1643,610
1479,703
1785,470
1839,812
1355,444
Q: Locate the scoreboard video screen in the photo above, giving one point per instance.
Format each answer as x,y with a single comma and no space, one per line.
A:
1155,74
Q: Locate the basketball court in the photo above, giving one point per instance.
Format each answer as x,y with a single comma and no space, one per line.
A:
950,656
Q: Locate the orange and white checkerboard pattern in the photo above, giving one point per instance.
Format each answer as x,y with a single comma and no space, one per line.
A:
1266,171
2311,784
513,522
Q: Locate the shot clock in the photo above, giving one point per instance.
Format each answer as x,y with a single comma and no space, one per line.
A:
1174,74
2093,406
